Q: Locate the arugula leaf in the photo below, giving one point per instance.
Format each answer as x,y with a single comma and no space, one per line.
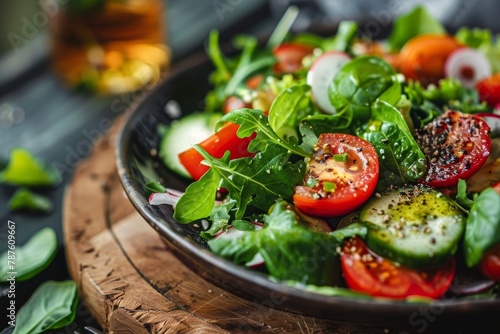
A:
222,73
483,226
198,200
32,257
254,121
26,170
52,306
362,81
401,160
290,106
243,225
416,22
258,181
25,199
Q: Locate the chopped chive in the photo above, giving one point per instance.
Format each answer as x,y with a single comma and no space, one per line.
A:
311,182
329,187
341,157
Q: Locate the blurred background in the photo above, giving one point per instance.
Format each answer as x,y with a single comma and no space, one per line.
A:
52,119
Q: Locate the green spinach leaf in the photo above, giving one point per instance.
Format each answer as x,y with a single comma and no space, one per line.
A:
401,160
24,199
418,21
483,226
289,107
52,306
26,170
199,199
362,81
461,197
31,258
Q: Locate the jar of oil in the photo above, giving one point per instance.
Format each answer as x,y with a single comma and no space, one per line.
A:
109,46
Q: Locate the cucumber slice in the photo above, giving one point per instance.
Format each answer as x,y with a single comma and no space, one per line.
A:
415,226
184,133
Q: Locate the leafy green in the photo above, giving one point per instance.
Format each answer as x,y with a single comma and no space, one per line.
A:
416,22
288,108
461,197
343,39
475,37
25,199
31,258
243,225
199,198
219,217
483,226
482,40
289,249
155,187
221,73
257,181
52,306
362,81
26,170
254,121
330,290
401,160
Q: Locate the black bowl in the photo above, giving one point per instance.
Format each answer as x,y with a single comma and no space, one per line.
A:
137,164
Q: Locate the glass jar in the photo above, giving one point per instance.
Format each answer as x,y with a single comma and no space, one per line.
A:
109,46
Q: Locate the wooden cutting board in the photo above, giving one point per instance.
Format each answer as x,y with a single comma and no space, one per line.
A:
132,283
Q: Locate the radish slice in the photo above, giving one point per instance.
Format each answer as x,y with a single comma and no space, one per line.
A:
232,233
493,120
170,197
468,66
321,75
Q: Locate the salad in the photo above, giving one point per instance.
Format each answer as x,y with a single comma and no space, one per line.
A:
349,166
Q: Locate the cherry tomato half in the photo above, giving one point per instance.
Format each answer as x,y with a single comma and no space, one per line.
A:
456,145
368,272
489,90
340,177
423,57
289,56
490,264
216,145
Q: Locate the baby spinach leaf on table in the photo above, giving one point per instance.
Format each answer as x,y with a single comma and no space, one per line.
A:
483,226
254,121
24,169
32,257
198,200
24,199
288,108
362,81
418,21
401,159
52,306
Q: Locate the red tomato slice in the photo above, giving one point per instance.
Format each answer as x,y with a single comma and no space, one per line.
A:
333,187
490,264
489,90
289,56
456,145
368,272
216,145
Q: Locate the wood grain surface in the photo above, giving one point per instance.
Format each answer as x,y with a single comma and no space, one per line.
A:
132,283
